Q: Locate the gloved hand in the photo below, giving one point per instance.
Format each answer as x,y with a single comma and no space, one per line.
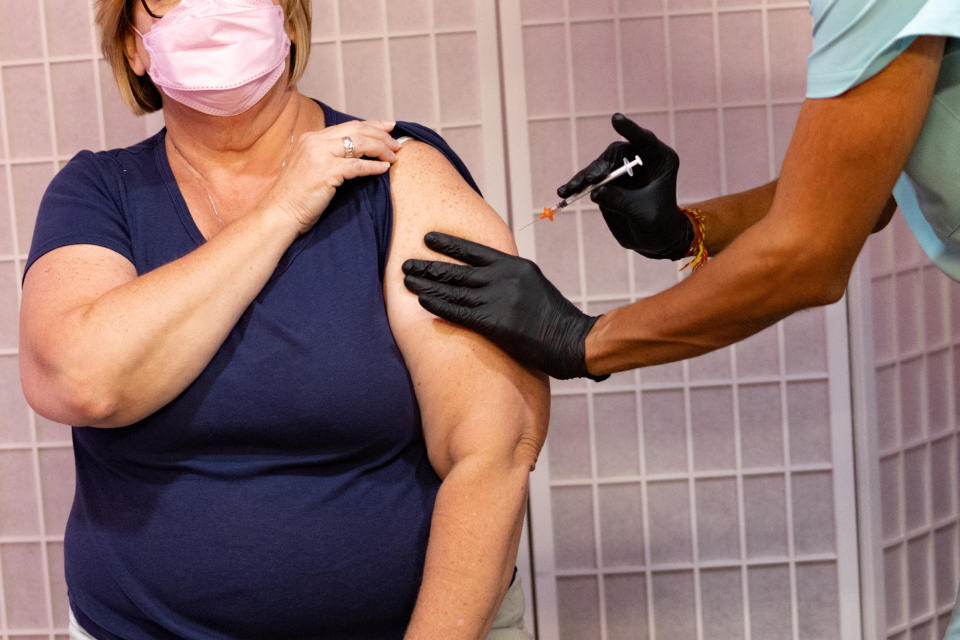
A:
505,298
641,211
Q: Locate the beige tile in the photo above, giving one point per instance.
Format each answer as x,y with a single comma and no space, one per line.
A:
545,70
23,581
14,424
467,142
28,121
692,59
456,14
20,30
593,46
644,85
361,17
790,42
30,181
18,499
67,30
75,106
123,128
408,15
366,81
57,484
324,19
458,77
58,585
8,305
413,79
6,229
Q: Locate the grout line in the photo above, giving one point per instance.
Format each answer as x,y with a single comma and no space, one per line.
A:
388,71
434,62
581,257
38,479
14,239
97,80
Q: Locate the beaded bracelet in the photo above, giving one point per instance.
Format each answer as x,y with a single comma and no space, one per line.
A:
698,250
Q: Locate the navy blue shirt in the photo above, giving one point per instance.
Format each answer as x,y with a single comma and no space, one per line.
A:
286,493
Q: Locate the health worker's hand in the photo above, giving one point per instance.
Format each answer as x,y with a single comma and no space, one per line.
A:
505,298
641,211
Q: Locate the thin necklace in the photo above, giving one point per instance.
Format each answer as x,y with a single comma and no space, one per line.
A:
199,178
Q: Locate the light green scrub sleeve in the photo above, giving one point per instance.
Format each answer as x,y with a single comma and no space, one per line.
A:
856,39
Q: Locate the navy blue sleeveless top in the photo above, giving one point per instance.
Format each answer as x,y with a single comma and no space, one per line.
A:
286,493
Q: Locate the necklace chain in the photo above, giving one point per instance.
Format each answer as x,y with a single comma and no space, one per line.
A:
199,178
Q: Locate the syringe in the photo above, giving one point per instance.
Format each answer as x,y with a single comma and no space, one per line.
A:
627,167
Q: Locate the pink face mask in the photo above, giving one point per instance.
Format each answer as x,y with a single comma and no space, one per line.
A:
218,56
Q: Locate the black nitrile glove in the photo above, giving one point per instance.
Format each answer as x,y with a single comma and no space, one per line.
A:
641,211
505,298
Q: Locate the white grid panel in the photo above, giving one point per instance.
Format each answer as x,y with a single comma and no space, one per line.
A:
431,61
915,313
711,498
55,97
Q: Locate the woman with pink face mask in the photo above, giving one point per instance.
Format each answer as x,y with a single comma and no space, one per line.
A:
272,439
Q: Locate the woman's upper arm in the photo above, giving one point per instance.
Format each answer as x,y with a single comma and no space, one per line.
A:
474,399
58,285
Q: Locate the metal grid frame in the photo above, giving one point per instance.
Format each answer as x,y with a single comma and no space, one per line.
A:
504,123
907,434
551,604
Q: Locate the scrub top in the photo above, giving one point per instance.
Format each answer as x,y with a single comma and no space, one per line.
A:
853,41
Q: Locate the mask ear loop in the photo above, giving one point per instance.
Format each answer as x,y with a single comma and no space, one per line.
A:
150,13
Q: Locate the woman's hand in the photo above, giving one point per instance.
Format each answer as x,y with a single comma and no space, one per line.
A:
318,165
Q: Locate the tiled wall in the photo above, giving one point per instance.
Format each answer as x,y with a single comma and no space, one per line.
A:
706,499
916,337
695,500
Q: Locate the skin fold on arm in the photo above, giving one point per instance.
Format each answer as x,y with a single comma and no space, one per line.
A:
834,189
484,416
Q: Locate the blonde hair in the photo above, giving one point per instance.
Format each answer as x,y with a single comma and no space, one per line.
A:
115,24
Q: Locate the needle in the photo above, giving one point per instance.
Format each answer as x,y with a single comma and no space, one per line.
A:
548,212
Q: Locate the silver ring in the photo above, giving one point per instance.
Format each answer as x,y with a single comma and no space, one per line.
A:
347,147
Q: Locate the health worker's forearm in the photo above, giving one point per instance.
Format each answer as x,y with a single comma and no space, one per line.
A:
474,535
763,277
726,217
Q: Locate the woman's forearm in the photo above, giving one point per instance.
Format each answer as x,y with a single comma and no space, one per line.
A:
472,551
127,353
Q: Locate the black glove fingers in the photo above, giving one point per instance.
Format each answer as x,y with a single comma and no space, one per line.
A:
443,309
462,249
583,178
439,271
611,158
462,296
614,199
643,140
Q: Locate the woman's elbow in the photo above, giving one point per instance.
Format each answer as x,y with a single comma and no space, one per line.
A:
533,432
73,400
